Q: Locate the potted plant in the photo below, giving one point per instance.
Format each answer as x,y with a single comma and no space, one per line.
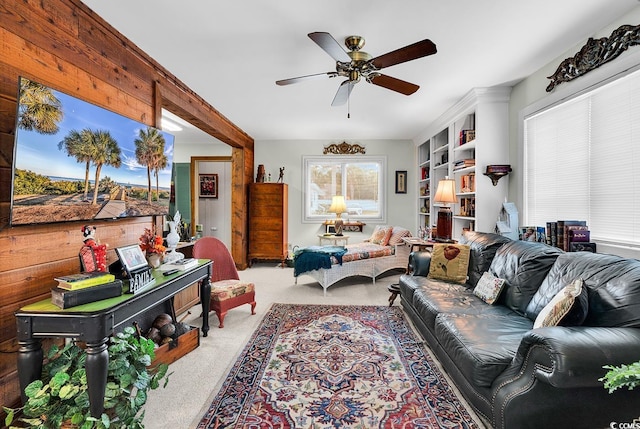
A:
621,376
60,397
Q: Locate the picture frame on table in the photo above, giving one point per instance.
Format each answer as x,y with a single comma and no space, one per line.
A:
208,186
131,258
401,181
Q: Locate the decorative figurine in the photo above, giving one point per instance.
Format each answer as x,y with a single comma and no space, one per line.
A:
173,238
93,256
281,176
260,176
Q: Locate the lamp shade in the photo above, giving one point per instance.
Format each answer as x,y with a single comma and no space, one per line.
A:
338,205
446,192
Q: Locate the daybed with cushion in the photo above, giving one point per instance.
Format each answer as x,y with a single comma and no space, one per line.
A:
534,357
382,252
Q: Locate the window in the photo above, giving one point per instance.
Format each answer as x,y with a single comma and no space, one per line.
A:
359,178
581,162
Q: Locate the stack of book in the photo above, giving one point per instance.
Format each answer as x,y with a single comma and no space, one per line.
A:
182,264
82,288
463,163
570,235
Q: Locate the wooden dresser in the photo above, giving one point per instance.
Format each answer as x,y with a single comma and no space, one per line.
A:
268,221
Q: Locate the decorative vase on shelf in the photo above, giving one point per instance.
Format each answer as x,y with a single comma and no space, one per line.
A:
154,259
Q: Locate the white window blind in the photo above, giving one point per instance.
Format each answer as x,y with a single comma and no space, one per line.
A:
581,162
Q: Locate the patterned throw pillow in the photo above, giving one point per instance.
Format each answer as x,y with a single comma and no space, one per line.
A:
488,288
396,235
381,234
568,308
449,262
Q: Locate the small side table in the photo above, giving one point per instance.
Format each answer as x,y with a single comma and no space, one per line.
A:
333,239
418,243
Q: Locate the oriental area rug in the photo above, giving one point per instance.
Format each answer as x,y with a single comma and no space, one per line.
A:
331,367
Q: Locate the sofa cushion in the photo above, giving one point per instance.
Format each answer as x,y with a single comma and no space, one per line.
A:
449,262
612,282
482,247
433,297
568,308
523,265
488,288
481,345
380,235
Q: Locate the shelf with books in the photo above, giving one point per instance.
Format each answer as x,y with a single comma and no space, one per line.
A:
424,182
470,135
467,183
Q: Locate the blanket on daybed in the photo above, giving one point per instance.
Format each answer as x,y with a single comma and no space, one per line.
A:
316,257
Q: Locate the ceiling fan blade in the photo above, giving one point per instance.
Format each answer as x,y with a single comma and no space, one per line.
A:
343,93
308,77
330,46
408,53
394,84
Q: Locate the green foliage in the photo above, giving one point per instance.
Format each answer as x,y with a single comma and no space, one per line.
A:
622,376
27,182
107,184
61,394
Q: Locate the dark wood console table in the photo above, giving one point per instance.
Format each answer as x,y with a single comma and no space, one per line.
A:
93,323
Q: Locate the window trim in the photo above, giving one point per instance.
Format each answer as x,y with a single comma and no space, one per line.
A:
344,159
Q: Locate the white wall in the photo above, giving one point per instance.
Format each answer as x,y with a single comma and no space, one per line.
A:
183,152
400,154
530,95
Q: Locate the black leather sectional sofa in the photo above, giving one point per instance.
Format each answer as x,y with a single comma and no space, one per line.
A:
516,376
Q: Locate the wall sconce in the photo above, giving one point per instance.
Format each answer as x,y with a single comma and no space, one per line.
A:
497,171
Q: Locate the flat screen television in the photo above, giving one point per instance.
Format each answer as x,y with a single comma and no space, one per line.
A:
75,161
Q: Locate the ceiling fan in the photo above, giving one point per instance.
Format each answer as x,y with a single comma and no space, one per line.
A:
356,64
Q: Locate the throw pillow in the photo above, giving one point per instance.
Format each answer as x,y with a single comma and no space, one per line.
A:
568,308
449,262
381,234
397,233
488,288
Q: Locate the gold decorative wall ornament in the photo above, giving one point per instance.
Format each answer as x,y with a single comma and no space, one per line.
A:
595,53
344,148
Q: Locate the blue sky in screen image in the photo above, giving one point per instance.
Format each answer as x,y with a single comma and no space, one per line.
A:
40,153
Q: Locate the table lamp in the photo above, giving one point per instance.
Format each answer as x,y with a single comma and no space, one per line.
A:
338,206
445,194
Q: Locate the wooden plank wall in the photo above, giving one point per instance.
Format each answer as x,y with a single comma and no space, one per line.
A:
63,44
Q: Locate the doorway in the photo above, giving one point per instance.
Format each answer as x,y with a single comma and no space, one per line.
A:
211,207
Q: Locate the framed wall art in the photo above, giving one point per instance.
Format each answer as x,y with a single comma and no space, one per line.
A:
209,186
401,181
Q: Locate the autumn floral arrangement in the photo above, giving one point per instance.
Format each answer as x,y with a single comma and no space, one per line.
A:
150,242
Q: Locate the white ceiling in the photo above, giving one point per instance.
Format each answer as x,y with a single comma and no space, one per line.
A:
232,52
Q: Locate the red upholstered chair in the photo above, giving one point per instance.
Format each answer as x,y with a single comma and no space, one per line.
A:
227,291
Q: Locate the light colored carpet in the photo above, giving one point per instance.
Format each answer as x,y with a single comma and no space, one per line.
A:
197,376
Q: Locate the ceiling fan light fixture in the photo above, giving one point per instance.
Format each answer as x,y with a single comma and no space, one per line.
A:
354,43
354,76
